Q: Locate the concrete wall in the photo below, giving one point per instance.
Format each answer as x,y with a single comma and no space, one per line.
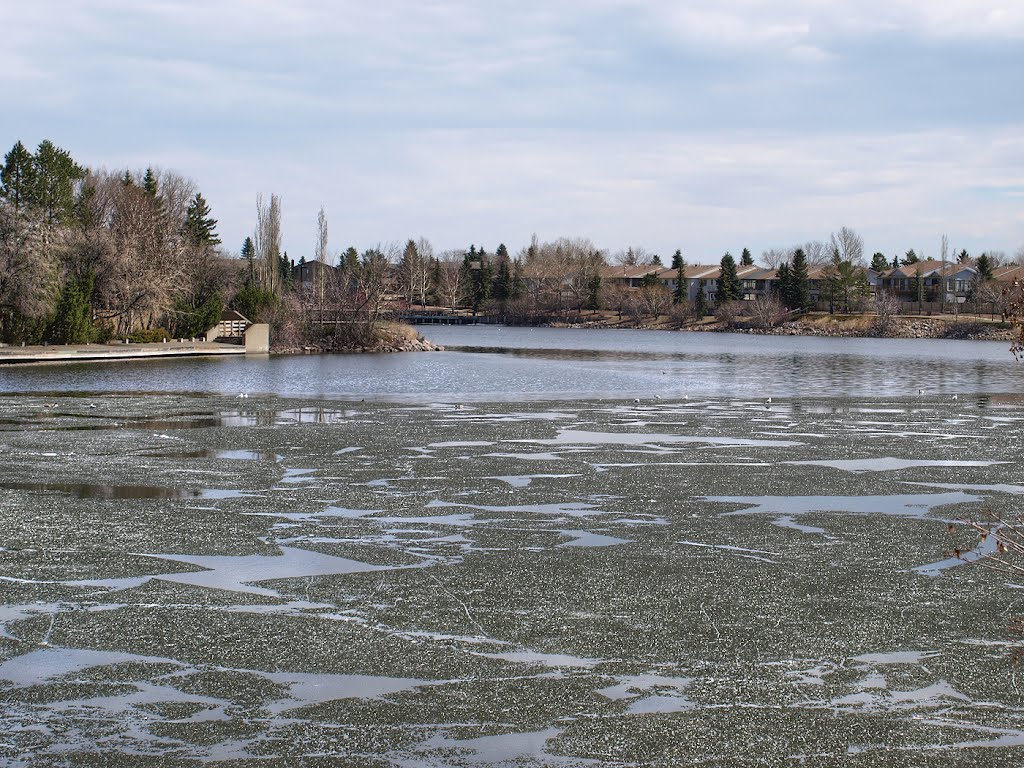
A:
257,339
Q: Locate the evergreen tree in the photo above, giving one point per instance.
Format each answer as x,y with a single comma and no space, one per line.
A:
801,282
785,283
984,266
248,253
72,319
200,225
963,257
17,179
896,261
700,306
54,179
879,262
285,271
682,291
149,185
594,293
746,259
518,284
729,287
656,260
127,179
911,257
503,281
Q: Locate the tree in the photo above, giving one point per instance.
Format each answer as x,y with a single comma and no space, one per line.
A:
200,225
984,266
18,177
682,292
149,183
879,262
729,287
72,318
911,257
746,259
267,242
784,281
700,305
963,257
320,254
849,245
248,253
801,283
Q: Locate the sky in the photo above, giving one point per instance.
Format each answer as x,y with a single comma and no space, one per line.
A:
707,126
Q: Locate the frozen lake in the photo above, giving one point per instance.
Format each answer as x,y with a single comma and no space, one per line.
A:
546,577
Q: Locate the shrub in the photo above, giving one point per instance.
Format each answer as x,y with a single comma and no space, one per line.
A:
149,336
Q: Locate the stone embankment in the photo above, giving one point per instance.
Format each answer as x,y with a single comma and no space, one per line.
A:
336,346
895,328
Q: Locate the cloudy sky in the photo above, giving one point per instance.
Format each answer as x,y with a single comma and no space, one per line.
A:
705,125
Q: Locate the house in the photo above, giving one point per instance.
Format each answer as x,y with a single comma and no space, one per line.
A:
943,282
306,275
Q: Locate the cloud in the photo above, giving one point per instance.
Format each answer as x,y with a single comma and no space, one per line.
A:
646,121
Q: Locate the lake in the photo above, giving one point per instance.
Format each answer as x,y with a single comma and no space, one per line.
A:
542,547
496,363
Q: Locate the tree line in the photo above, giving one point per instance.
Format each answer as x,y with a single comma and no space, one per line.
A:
89,255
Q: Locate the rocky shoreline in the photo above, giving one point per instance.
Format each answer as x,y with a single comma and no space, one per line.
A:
899,328
340,347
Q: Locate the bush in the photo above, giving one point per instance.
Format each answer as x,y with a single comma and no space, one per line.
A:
149,336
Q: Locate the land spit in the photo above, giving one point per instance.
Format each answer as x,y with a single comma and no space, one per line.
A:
189,581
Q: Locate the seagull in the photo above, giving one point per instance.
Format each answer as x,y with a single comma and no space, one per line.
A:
956,397
636,399
657,397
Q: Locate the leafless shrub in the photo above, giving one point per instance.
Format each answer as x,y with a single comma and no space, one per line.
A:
886,306
729,313
767,311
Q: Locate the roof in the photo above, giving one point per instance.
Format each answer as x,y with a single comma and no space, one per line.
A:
231,315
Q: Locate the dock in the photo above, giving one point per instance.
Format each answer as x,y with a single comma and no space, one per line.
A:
62,353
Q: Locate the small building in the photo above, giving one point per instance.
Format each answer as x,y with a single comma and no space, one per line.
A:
232,325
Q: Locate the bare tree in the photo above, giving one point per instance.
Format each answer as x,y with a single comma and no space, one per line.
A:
766,311
267,240
773,258
28,277
885,306
452,286
817,253
320,254
848,245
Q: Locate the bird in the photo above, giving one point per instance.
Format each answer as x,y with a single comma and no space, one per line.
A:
956,397
636,399
657,397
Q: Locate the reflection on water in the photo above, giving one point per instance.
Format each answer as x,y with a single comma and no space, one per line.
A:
492,363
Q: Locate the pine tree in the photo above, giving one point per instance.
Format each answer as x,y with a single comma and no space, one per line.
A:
785,285
896,261
149,185
801,282
682,291
126,179
879,262
53,187
729,288
746,259
248,253
984,266
17,177
911,257
201,227
700,307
